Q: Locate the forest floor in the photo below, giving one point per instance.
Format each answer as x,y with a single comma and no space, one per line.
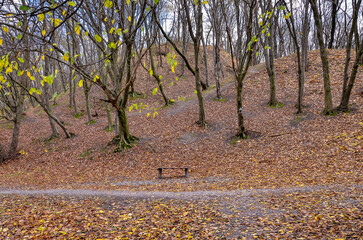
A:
303,172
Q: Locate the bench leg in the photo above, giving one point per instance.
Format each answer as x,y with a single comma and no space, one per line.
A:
160,173
186,172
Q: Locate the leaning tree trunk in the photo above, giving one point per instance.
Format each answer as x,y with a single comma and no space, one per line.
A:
346,94
328,110
153,68
345,97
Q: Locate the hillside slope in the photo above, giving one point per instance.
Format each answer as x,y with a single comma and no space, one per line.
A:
283,149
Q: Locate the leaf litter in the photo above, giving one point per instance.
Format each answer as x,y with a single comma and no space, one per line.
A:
285,151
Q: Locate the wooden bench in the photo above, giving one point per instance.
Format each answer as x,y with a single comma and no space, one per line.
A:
162,168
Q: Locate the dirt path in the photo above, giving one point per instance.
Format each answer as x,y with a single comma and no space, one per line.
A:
194,195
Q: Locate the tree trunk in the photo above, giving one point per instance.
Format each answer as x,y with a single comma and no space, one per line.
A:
15,138
2,154
328,110
346,94
270,60
87,89
55,132
334,9
205,57
46,72
124,138
153,68
109,117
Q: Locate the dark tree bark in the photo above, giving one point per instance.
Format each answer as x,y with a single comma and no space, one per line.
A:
290,21
346,94
196,40
215,19
347,88
244,57
2,154
269,52
334,10
328,110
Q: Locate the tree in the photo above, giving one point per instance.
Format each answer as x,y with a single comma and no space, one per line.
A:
244,57
269,33
347,87
328,110
197,9
215,17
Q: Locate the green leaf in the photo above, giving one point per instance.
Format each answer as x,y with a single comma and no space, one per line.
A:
156,2
155,90
24,8
282,8
19,36
98,38
112,45
49,79
21,60
32,90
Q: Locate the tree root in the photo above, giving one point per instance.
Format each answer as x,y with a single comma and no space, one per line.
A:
122,143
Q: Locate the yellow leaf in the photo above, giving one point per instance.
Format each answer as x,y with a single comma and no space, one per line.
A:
57,22
66,57
1,41
40,17
129,18
77,29
43,32
5,29
80,83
